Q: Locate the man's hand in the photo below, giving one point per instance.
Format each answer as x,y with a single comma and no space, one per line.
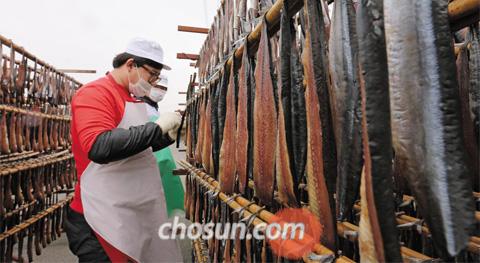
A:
174,132
169,122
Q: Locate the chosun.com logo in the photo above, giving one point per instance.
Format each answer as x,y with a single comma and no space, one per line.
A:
292,232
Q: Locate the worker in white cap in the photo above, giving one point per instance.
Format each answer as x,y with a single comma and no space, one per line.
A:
157,93
172,185
119,203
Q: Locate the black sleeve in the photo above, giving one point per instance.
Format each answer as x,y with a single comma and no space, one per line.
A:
121,143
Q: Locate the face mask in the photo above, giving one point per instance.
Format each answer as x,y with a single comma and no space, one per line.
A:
157,94
141,88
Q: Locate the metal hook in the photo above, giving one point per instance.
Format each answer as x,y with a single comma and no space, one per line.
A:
321,258
406,203
231,198
253,216
241,210
417,225
215,194
347,234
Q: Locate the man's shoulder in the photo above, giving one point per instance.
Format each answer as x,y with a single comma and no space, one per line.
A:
98,85
97,89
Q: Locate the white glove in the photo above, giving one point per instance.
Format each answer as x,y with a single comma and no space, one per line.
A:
169,121
174,132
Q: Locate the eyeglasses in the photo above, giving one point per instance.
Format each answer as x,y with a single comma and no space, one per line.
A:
154,76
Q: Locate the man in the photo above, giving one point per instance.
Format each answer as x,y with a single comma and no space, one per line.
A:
156,95
119,204
172,185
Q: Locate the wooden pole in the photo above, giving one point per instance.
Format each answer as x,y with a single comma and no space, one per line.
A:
191,29
461,8
187,56
86,71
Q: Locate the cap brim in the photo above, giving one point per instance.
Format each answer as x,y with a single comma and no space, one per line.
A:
166,67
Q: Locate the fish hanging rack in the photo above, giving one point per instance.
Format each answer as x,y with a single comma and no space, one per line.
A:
9,43
461,13
37,169
344,229
252,211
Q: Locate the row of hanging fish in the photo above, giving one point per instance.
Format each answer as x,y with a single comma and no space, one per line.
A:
34,102
21,83
371,105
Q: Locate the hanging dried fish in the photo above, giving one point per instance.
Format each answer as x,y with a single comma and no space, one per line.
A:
474,66
426,122
321,155
228,150
201,128
207,157
378,234
345,95
264,123
470,139
244,121
292,131
218,117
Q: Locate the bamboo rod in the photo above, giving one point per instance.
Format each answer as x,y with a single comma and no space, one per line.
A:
191,29
240,202
9,108
21,50
461,8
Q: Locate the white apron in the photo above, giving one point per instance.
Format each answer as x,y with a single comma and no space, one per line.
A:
123,201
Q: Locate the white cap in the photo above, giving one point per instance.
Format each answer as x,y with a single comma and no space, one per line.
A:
163,81
147,49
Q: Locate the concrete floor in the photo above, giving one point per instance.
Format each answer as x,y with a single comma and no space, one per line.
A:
58,251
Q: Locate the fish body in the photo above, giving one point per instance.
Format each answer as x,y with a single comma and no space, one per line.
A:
228,149
4,145
474,66
426,123
470,139
243,121
378,230
321,156
264,124
207,140
345,94
292,132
